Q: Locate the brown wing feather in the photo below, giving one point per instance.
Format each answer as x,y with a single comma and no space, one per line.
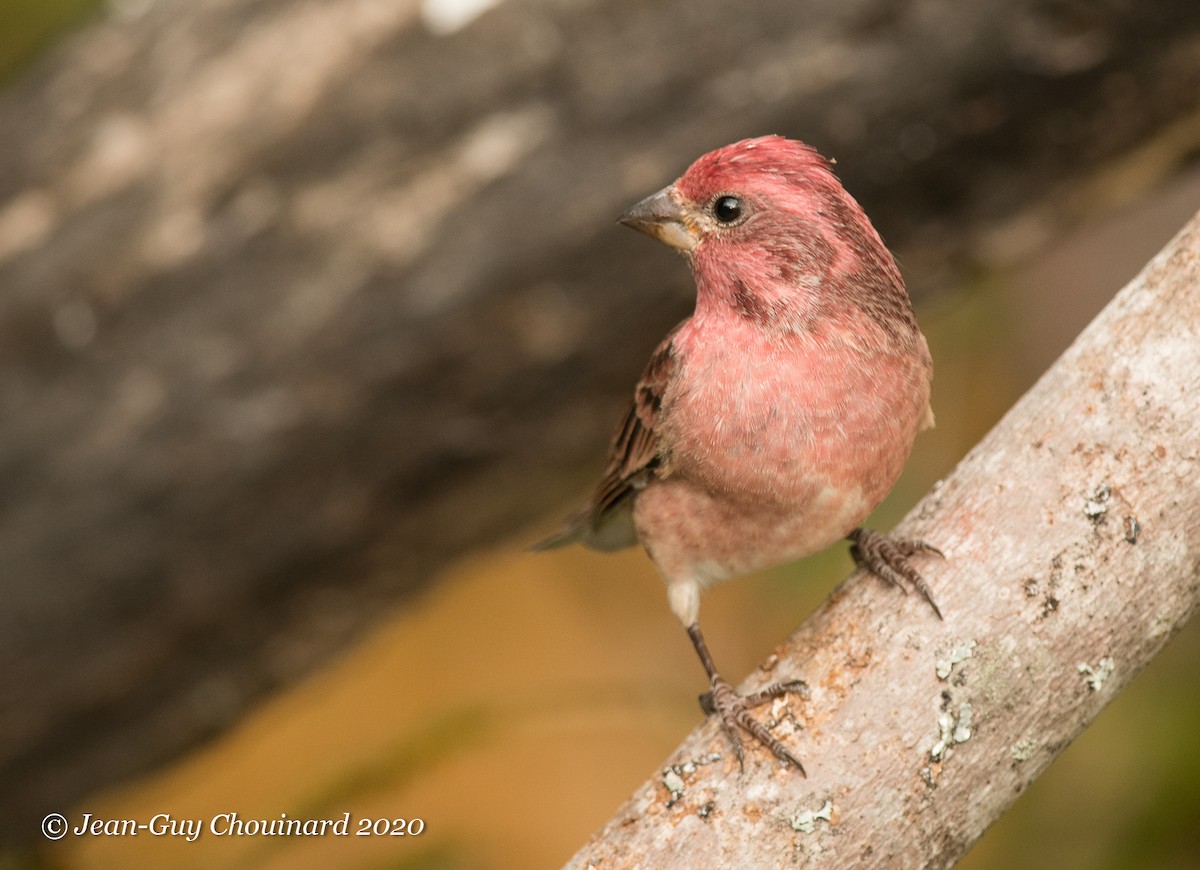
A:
635,456
634,459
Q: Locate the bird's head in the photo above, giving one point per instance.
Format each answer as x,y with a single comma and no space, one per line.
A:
770,230
727,193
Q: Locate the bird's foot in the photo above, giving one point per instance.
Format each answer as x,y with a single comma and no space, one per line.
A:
887,558
734,710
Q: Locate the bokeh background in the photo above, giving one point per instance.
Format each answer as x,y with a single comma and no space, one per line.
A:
313,316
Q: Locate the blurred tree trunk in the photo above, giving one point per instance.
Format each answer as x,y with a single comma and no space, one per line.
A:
1072,535
301,300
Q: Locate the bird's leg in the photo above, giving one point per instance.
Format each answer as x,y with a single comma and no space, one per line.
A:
887,558
734,709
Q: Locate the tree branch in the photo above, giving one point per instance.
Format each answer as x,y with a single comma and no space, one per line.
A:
1072,536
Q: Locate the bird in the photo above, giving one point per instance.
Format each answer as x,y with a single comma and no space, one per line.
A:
768,424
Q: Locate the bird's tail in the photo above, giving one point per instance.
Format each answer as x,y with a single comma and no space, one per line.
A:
566,535
615,532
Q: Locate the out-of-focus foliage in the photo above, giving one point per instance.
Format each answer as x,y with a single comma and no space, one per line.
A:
26,26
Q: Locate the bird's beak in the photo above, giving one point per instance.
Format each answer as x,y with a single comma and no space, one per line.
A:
661,215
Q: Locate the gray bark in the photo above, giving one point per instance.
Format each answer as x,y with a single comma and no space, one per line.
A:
1072,540
299,301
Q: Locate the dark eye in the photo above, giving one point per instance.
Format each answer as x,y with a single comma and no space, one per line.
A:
727,209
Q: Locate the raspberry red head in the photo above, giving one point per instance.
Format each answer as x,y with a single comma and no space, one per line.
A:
772,233
748,183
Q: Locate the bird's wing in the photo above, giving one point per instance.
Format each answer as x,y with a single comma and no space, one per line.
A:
634,459
636,456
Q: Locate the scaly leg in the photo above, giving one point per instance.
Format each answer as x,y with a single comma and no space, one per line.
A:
734,709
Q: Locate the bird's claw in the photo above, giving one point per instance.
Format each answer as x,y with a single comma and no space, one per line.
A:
887,558
734,712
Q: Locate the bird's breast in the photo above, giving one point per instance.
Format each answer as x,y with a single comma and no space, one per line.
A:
780,419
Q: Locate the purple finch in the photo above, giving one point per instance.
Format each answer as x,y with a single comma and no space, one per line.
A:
771,422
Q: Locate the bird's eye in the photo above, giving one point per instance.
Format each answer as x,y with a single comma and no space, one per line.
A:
727,209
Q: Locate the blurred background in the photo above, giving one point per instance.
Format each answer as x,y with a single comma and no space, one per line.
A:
313,316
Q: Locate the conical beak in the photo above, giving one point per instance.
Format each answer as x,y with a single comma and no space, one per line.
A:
661,215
